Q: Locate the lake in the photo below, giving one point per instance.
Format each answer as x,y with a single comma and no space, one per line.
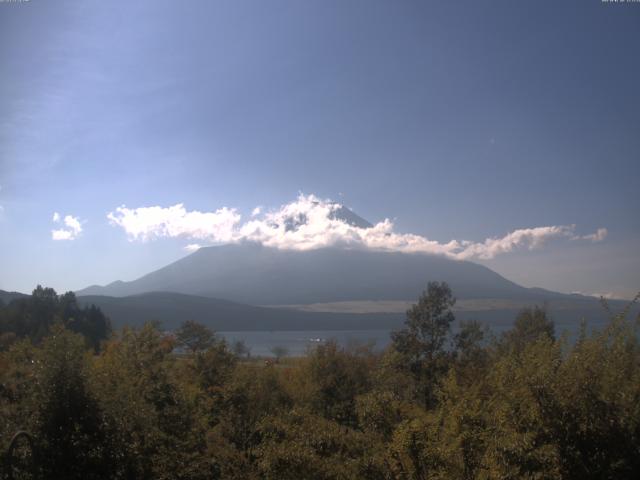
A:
298,342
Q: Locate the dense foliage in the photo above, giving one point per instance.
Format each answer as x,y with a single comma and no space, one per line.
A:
34,316
436,404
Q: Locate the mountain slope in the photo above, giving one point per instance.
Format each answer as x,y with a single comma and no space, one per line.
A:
257,275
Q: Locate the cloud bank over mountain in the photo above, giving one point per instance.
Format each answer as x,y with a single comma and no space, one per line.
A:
310,222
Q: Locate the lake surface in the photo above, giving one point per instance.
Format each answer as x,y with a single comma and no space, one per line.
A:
298,343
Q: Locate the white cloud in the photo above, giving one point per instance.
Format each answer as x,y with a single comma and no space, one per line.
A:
598,236
309,223
146,223
529,238
315,227
192,247
62,234
71,230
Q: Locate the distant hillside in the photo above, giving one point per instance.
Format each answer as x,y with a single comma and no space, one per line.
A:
6,297
258,275
171,309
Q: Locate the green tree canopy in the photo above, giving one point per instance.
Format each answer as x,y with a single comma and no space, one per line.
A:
34,316
421,343
194,336
530,324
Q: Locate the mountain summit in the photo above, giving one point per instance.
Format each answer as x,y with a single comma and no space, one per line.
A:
349,217
320,252
336,211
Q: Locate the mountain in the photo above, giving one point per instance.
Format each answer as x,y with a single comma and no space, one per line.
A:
258,275
321,281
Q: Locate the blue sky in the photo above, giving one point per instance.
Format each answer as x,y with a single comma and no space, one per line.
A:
455,120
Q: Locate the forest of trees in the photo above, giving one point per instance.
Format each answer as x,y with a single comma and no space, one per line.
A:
33,316
438,403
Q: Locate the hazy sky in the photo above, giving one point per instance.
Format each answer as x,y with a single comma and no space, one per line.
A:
462,120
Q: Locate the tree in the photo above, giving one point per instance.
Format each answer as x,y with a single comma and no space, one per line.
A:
422,341
156,427
469,338
68,423
333,377
214,366
241,349
428,323
298,445
40,313
279,352
88,321
34,316
530,325
250,395
194,336
469,343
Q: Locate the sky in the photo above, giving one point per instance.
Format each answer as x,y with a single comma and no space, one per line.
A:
506,133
